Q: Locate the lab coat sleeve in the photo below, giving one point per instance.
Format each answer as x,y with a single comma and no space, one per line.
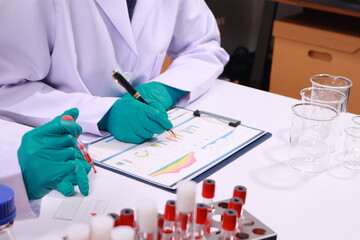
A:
195,49
26,41
10,172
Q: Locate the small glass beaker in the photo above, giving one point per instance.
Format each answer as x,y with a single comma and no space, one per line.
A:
311,136
355,121
351,157
339,83
330,97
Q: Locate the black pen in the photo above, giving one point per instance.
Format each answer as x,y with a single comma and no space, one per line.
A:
125,84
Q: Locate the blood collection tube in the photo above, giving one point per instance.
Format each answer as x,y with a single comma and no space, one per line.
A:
169,220
147,220
235,203
228,224
185,204
115,216
101,226
126,218
240,192
81,145
123,233
201,220
160,225
208,192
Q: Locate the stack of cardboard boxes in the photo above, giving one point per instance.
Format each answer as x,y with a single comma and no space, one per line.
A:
313,43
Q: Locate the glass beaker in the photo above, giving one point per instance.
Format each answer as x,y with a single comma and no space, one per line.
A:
355,121
339,83
351,157
311,136
330,97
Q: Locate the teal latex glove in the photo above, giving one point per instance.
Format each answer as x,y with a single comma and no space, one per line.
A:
66,186
47,154
159,95
130,120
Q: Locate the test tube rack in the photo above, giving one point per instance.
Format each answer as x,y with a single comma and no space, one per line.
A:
250,228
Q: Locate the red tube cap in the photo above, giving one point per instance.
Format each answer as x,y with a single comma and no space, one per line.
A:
201,213
208,190
235,203
127,218
229,220
240,192
170,211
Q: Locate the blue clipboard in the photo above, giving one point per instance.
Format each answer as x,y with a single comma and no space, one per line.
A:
208,169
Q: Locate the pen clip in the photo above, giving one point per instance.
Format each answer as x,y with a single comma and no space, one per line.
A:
229,121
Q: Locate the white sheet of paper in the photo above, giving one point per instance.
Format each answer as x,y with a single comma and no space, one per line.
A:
200,143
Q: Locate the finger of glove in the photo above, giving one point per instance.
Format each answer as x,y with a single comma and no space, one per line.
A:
59,141
139,129
158,105
57,170
126,132
65,187
127,95
82,179
81,160
60,126
158,116
148,124
74,112
42,180
57,155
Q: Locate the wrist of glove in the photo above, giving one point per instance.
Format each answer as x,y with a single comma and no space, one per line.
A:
47,154
130,120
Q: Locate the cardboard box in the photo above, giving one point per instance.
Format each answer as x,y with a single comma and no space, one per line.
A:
313,43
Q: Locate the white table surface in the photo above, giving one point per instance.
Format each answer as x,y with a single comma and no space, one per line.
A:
293,204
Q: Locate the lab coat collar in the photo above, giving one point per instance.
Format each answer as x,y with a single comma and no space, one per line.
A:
118,14
142,12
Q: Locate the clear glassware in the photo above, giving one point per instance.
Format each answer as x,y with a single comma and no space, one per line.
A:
351,157
338,83
311,136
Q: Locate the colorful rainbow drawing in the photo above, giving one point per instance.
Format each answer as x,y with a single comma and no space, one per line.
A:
176,166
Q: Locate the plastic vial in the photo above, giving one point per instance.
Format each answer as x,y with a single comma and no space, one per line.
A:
7,212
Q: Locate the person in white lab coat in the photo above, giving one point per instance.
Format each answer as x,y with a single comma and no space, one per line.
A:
35,161
58,54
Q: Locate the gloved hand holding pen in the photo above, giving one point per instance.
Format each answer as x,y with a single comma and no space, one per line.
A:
130,120
48,157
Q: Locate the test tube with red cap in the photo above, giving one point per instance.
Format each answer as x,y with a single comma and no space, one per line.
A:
81,145
200,220
160,225
185,204
146,220
208,192
240,192
169,220
228,224
126,218
235,203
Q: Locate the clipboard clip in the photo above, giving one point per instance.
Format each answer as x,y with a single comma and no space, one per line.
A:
229,121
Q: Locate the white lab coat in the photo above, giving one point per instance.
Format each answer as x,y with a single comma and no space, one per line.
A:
59,54
10,172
